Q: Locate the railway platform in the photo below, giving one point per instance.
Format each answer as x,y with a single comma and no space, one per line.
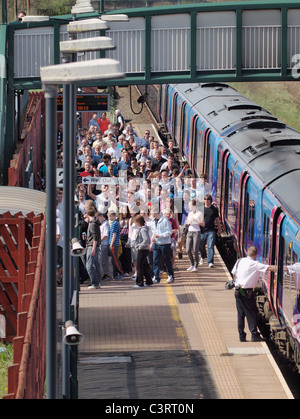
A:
171,341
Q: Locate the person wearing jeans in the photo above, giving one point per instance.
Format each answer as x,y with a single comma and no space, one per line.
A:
161,245
208,234
104,247
194,221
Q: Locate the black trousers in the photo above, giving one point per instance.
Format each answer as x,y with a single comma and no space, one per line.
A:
143,268
246,307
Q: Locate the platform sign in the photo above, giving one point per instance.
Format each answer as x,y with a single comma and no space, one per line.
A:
88,102
93,180
59,177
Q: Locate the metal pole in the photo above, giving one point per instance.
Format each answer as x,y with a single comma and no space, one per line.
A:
4,11
67,238
73,109
51,325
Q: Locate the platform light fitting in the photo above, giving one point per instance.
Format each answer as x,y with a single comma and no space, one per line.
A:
87,25
82,6
98,70
115,18
26,19
86,45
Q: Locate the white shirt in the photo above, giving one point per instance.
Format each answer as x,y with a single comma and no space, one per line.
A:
114,152
294,269
248,272
104,230
102,203
194,219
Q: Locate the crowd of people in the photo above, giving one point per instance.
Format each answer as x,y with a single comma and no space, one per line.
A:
136,205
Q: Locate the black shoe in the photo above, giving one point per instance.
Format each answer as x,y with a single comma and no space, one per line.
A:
256,338
105,277
243,338
179,255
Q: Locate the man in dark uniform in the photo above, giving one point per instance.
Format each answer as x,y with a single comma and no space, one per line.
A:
247,272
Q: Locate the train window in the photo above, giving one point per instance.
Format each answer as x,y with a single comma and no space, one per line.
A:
177,120
232,208
295,257
185,132
251,219
289,254
169,111
219,173
266,237
163,103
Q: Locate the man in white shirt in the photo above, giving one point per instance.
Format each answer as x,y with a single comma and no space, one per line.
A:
247,273
114,150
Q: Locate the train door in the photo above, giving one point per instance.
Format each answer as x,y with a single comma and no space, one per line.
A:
224,186
159,101
242,213
163,103
174,114
275,256
182,128
206,150
193,141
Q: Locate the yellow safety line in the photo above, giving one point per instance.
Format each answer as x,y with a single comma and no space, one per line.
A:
180,330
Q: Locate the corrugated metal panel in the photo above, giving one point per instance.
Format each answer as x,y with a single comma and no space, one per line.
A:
130,50
293,43
261,47
216,48
216,41
33,49
170,40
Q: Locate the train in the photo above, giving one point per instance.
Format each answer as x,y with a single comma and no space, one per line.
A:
252,162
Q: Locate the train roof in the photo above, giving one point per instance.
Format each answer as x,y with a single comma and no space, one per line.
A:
286,189
268,147
222,106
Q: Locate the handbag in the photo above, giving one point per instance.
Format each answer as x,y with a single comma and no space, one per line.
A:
231,283
185,229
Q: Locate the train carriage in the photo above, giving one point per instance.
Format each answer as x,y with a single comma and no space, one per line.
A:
252,160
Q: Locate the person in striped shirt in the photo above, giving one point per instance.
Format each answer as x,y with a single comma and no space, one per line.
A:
114,244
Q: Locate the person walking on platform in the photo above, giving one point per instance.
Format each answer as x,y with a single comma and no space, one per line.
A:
92,249
246,272
142,244
104,247
194,221
208,233
114,243
161,245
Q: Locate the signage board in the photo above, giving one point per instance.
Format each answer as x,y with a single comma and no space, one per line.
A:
88,102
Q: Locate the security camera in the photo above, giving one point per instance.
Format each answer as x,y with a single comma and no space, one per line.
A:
72,336
76,248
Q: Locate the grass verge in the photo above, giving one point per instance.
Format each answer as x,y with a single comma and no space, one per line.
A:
282,99
6,359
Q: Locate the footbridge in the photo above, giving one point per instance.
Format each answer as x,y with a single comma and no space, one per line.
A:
225,41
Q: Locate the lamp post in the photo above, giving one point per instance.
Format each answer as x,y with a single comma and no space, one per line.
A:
52,77
68,74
